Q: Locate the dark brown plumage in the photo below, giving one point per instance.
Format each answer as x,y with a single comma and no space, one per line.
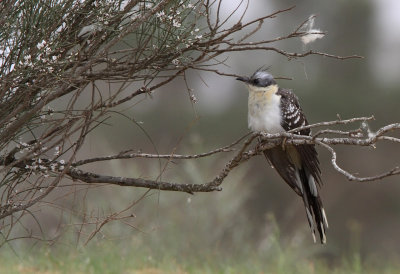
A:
299,165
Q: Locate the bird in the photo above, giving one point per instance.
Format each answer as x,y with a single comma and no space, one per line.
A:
272,109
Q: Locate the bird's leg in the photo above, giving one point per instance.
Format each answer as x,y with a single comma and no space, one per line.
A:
257,148
284,143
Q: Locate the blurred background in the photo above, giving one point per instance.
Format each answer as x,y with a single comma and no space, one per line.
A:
257,212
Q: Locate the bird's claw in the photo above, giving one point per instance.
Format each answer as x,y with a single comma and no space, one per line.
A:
284,143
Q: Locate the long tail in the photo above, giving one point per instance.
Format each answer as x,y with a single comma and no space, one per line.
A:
313,204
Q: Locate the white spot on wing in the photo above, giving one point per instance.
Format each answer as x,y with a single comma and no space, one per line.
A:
297,119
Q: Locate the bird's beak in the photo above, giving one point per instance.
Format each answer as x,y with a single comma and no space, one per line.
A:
243,79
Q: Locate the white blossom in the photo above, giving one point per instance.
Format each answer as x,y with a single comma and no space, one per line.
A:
176,23
41,44
160,14
175,62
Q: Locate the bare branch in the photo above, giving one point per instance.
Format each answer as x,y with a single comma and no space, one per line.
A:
289,55
127,155
351,177
269,141
93,178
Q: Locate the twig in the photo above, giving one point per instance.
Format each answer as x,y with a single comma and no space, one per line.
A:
124,155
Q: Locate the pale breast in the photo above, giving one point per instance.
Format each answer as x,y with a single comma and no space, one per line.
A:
264,112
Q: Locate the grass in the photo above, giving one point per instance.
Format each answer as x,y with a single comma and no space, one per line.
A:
103,256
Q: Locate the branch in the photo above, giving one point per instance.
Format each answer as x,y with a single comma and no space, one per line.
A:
93,178
123,155
214,185
268,141
290,55
352,177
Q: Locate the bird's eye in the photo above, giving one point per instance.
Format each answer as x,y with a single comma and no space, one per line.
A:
256,81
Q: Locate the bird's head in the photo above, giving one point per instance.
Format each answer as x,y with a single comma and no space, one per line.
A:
260,79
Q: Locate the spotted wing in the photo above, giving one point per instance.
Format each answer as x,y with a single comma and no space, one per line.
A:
293,117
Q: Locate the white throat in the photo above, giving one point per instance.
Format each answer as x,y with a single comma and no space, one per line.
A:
264,109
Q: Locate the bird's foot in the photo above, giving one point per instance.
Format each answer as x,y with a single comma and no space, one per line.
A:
284,143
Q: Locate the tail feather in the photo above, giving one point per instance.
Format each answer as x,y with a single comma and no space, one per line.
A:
313,204
310,219
299,168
